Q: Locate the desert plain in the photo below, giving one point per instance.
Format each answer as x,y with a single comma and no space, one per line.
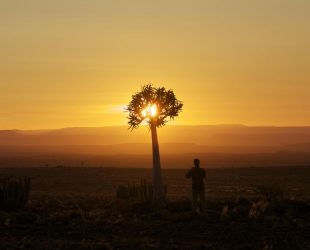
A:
77,208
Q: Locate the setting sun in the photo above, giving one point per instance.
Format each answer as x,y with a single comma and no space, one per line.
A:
150,111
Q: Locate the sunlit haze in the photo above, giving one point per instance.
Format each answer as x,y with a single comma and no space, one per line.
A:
78,63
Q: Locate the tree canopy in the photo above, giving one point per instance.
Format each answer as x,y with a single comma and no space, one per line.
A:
154,105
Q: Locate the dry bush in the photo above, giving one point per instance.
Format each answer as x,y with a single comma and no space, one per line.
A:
258,209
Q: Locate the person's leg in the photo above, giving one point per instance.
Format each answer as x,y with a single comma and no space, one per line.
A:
203,203
195,199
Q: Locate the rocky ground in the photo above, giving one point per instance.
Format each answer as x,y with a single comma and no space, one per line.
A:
57,217
98,224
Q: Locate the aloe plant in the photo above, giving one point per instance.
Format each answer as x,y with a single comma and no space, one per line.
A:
144,191
14,194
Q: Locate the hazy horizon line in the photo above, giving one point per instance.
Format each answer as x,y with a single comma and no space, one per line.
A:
176,125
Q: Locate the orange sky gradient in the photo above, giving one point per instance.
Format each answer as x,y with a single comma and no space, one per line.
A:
77,63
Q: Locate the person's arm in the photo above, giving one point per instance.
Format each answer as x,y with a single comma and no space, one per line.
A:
203,173
189,174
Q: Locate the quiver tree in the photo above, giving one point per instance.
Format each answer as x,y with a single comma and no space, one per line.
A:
155,106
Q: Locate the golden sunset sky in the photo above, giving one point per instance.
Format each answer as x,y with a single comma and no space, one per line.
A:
76,63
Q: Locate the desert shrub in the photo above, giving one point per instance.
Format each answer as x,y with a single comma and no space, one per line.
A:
14,193
230,215
236,210
230,204
258,209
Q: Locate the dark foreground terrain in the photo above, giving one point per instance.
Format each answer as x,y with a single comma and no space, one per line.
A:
76,208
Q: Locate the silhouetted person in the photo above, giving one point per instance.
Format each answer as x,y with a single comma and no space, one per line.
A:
198,189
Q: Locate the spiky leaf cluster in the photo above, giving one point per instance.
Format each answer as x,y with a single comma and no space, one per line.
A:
167,106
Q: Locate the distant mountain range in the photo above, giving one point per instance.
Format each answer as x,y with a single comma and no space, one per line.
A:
211,135
227,145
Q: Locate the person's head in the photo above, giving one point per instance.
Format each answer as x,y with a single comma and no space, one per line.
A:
196,162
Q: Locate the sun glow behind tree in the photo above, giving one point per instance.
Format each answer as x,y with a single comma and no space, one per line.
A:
150,111
153,105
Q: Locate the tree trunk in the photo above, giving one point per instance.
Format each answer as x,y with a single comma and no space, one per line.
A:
158,184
